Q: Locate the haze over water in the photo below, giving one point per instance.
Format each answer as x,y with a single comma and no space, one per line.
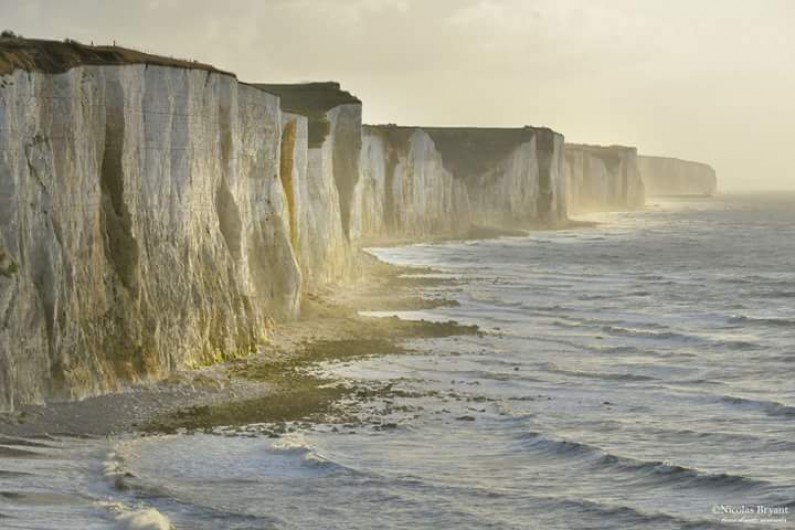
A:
637,374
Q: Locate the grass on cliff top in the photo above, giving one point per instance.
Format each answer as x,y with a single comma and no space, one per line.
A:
55,57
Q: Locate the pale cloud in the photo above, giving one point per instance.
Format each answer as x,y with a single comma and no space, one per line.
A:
563,26
344,10
495,15
377,5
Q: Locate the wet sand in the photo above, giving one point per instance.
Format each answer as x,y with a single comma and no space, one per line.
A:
274,385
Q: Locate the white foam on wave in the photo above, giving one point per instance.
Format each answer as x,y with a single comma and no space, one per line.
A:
127,517
292,443
314,458
297,443
147,519
111,466
406,315
136,518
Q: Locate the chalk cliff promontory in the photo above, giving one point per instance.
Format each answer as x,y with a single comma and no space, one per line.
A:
602,178
405,189
320,150
671,176
424,181
143,223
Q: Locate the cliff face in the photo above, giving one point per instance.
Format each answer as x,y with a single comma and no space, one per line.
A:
602,178
143,225
156,213
513,176
405,188
322,142
671,176
433,181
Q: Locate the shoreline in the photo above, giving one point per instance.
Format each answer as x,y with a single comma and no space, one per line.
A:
477,233
272,385
269,386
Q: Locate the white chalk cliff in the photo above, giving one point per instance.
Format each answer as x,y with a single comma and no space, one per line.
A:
671,176
405,189
143,225
602,178
319,161
157,214
426,181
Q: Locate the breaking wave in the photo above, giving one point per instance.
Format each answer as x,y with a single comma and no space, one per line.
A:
762,321
657,471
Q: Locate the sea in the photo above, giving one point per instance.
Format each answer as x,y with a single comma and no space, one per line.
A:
633,374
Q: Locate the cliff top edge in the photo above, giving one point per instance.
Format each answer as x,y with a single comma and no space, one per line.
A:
674,159
313,100
470,152
459,129
57,57
593,147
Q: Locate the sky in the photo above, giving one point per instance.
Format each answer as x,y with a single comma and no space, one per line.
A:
705,80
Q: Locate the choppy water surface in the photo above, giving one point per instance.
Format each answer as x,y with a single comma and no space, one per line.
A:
633,375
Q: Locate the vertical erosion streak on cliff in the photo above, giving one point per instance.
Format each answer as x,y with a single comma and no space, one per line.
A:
287,156
545,147
345,160
226,208
43,276
390,221
635,192
617,185
45,253
228,219
395,148
125,346
274,270
121,249
625,185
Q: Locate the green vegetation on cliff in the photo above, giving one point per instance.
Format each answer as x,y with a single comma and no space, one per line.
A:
55,57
